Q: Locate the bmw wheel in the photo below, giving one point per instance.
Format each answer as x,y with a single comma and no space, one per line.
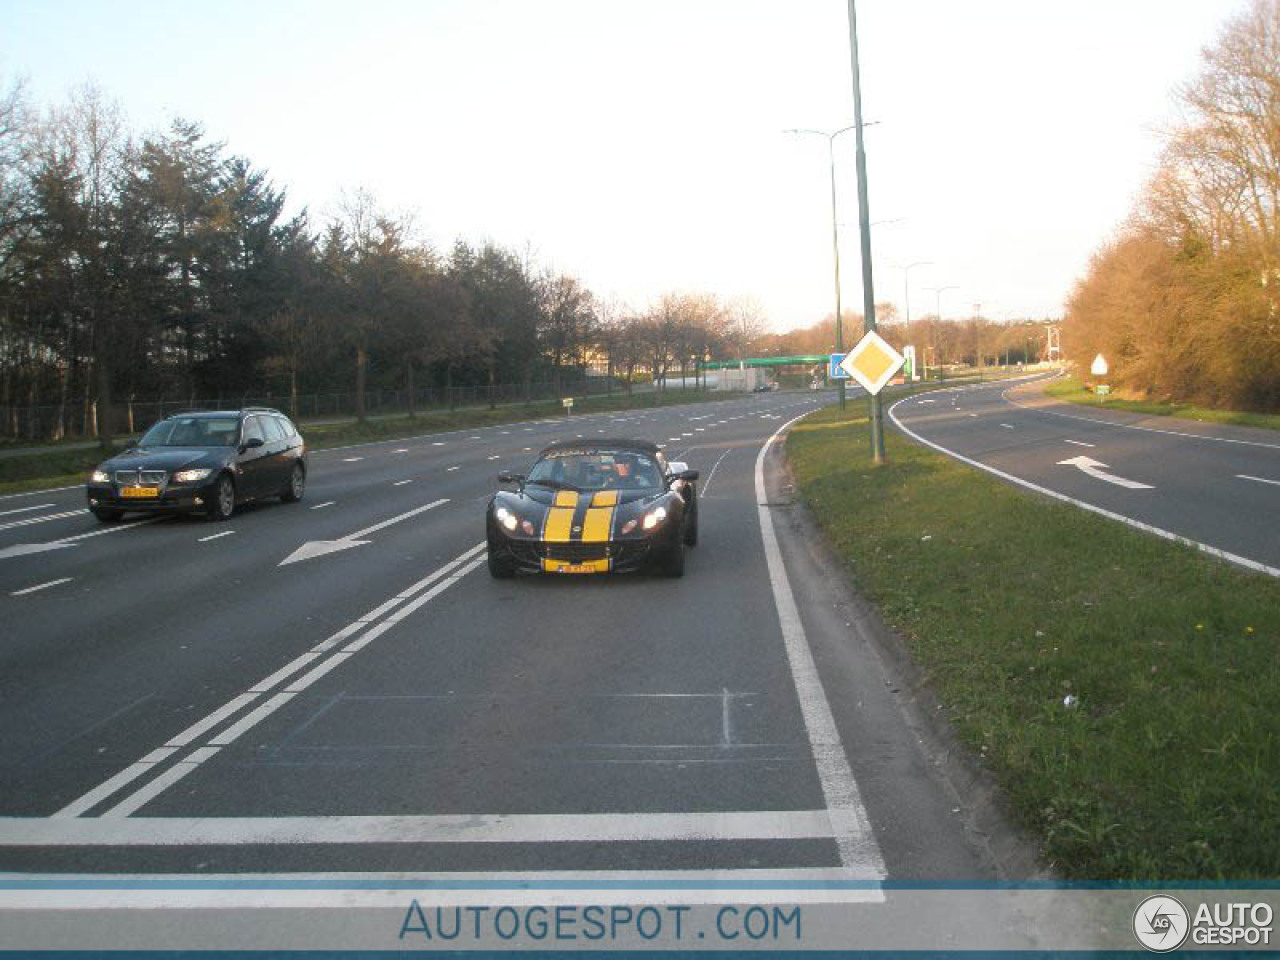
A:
223,503
297,485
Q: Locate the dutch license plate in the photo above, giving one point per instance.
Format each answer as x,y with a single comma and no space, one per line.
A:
139,493
577,568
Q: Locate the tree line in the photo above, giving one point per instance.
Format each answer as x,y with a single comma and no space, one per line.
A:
1184,301
163,266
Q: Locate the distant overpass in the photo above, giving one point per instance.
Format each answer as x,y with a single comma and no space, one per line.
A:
763,362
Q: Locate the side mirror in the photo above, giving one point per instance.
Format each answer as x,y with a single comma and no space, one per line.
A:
251,443
506,476
688,475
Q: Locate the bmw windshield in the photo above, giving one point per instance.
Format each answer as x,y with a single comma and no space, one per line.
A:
192,432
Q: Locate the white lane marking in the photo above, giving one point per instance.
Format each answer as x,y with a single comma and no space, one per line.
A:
233,706
319,548
401,483
1131,426
437,443
494,457
428,828
168,778
106,530
43,586
1078,443
41,493
215,536
28,521
700,429
1007,426
673,439
39,506
473,438
451,468
973,414
527,449
327,503
352,459
706,484
1093,468
1110,515
849,824
401,450
1245,476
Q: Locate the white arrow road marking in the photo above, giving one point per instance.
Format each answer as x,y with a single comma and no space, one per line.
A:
27,521
318,548
1094,469
51,583
39,506
1245,476
22,549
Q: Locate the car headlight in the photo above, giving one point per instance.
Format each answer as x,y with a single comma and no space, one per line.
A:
191,476
649,520
101,476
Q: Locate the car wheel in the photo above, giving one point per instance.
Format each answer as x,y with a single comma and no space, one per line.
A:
691,529
107,515
223,503
673,563
297,485
500,569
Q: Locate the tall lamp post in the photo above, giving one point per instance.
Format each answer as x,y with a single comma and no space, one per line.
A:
906,283
835,233
864,227
938,291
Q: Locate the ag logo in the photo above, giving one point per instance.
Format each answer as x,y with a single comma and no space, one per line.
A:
1161,923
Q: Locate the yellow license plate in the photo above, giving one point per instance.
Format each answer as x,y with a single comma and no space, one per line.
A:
139,493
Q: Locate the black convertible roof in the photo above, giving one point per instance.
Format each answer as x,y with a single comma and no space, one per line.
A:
598,444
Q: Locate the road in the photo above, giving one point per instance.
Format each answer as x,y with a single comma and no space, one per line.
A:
179,699
1215,486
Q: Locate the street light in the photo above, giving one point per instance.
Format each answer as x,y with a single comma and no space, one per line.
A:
938,291
835,232
906,282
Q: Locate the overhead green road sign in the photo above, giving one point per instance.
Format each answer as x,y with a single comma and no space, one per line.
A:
763,362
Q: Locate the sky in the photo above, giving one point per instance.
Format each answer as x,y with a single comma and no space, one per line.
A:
640,145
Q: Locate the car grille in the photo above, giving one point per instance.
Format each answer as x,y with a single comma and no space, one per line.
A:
147,478
574,552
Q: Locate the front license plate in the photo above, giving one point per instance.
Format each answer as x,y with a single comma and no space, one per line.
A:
139,493
577,568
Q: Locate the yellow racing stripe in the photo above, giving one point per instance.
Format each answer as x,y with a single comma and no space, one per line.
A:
560,517
599,522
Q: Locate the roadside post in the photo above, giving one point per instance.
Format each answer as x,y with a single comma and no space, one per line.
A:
872,363
1100,368
568,405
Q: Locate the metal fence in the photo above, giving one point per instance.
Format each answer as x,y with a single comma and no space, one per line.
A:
76,419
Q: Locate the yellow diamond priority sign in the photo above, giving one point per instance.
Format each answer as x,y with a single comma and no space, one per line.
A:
872,362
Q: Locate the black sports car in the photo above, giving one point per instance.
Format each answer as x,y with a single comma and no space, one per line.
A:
203,462
594,507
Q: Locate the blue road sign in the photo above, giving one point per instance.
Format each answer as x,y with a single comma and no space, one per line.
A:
834,371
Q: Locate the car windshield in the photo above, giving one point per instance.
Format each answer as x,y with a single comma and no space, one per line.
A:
592,470
192,432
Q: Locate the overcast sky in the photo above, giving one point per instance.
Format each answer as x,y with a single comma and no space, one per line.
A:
639,145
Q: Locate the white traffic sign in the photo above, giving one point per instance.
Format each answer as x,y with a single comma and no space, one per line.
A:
873,362
1099,367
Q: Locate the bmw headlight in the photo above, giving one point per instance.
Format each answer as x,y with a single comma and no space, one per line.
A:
191,476
101,476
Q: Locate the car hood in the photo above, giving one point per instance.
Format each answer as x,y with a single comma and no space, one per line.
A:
167,458
544,496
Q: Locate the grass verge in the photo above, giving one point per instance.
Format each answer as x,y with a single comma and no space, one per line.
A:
1165,763
63,467
1072,390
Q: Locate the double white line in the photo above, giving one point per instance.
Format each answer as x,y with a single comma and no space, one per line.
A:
321,660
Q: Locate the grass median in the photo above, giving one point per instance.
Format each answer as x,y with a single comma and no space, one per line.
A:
1071,390
1164,762
64,467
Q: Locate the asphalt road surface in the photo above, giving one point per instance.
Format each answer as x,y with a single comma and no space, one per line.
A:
178,698
1213,485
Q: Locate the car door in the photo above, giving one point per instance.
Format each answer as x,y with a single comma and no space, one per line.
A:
276,475
253,460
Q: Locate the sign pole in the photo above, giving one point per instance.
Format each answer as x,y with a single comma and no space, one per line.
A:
864,229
